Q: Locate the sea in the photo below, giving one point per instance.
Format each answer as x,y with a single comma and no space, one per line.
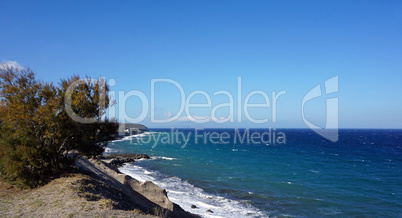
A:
272,172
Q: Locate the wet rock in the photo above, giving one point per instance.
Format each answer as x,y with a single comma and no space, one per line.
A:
193,206
118,162
209,211
117,155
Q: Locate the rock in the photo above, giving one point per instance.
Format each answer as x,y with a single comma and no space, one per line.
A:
210,211
128,129
145,195
117,155
193,206
118,162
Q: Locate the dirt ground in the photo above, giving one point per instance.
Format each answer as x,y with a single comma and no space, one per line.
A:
72,195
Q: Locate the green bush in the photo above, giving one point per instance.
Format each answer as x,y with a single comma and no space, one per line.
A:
38,136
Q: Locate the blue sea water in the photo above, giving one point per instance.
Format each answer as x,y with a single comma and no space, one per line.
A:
278,173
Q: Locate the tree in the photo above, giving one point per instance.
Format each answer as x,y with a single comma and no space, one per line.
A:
40,133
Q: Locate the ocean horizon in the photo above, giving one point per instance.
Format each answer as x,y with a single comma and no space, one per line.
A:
272,172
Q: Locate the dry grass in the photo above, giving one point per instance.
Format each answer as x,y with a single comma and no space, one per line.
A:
74,195
160,212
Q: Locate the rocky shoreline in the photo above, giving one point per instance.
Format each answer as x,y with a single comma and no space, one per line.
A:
117,160
146,195
92,188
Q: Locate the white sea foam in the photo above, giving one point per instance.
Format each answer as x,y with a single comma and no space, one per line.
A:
315,171
185,194
143,134
163,158
111,150
130,137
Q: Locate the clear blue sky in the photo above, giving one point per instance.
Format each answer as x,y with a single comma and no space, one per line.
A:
277,46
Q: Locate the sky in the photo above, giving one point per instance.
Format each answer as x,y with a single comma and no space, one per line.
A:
245,63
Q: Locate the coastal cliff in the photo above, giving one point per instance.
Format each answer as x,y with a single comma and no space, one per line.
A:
93,189
127,129
146,195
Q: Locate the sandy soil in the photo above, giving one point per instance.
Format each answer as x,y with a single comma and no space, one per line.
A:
73,195
95,190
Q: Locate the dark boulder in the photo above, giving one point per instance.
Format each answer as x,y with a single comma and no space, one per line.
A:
118,162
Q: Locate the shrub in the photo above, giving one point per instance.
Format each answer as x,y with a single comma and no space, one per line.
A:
38,135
